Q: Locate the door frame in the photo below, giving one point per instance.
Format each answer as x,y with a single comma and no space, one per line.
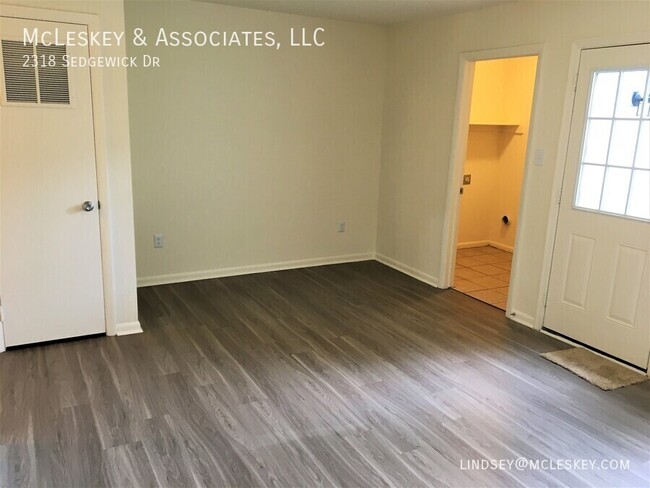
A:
560,165
459,149
92,23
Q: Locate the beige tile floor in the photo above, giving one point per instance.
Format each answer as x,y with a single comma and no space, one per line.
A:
484,273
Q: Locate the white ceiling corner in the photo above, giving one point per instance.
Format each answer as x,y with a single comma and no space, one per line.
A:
382,12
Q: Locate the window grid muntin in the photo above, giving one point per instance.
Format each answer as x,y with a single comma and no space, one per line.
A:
636,146
609,142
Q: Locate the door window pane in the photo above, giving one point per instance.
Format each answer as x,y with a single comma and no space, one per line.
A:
642,159
617,183
639,203
604,94
623,144
631,81
590,186
597,141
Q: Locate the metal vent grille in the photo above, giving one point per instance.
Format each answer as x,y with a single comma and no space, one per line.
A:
23,84
52,74
20,81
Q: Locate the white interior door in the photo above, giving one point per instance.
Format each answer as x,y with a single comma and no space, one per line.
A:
599,288
50,257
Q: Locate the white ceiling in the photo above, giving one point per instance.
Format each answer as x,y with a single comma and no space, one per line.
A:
369,11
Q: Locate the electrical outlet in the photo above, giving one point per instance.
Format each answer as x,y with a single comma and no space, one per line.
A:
340,226
158,241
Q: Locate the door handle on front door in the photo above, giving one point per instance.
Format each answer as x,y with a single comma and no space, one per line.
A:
87,206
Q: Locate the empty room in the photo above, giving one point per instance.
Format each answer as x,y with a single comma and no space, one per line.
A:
338,243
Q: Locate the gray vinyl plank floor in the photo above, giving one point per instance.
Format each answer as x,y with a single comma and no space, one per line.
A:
349,375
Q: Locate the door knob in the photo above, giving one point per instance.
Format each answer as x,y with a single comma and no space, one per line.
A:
88,206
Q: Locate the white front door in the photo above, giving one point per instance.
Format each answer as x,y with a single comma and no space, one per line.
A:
600,277
50,258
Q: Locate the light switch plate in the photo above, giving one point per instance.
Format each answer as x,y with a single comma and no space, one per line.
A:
467,179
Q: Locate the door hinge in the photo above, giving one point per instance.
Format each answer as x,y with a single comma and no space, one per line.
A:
545,299
559,197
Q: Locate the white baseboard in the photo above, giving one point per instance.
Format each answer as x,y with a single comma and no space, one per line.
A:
498,245
127,328
256,268
522,318
404,268
503,247
466,245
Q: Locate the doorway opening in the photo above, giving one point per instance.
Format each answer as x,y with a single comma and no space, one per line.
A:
493,170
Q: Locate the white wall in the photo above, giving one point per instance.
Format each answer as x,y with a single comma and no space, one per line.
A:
124,313
479,218
246,158
423,67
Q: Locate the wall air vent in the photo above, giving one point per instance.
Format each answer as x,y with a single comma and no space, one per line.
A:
35,74
52,75
20,81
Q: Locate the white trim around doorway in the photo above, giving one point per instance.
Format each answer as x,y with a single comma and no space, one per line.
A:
459,148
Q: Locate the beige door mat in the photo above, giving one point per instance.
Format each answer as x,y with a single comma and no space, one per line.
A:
597,370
